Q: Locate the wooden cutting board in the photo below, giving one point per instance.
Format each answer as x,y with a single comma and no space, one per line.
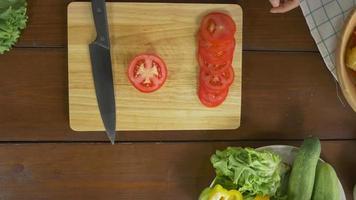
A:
167,29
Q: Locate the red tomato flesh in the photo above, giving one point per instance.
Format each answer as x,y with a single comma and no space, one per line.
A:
212,98
203,43
217,27
215,67
216,81
216,44
147,72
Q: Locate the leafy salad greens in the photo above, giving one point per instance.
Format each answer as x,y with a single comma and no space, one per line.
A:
13,19
251,172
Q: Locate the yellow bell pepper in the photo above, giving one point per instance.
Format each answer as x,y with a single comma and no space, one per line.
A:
219,193
258,197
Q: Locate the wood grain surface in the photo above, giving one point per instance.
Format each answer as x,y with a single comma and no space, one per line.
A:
300,99
263,31
168,30
130,171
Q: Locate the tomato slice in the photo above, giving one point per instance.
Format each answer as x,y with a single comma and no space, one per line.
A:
216,81
203,43
216,66
215,54
216,44
215,57
212,98
147,72
217,27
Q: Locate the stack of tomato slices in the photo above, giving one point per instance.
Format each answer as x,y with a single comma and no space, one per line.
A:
215,54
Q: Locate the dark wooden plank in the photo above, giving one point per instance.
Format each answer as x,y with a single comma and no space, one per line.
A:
262,30
284,96
129,171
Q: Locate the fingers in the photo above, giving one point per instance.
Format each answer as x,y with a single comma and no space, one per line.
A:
286,6
275,3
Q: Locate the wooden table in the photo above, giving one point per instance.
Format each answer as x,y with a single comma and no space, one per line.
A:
287,94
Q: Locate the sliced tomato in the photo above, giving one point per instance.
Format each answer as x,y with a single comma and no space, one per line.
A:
203,43
212,98
214,55
217,27
147,72
216,66
216,44
214,59
216,81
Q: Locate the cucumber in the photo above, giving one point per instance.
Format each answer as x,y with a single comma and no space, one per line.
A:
326,184
301,180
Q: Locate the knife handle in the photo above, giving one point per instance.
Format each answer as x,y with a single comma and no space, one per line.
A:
101,22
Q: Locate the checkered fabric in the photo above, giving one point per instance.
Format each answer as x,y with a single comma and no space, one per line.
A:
325,19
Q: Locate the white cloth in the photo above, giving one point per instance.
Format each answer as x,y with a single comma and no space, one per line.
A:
325,19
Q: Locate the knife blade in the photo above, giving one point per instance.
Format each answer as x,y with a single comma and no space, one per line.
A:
102,69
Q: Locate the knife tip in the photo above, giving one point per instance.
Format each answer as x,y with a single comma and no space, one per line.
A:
111,136
112,142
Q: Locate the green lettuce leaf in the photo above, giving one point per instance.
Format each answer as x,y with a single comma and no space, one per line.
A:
13,19
250,171
281,193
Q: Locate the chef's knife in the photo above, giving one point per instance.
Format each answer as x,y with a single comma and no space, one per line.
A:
101,68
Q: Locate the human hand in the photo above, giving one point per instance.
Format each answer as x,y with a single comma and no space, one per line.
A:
282,6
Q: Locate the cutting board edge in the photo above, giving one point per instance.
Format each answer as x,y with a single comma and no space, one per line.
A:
150,130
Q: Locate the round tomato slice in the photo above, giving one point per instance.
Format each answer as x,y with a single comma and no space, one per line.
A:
217,27
215,67
217,56
216,81
147,72
212,98
203,43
